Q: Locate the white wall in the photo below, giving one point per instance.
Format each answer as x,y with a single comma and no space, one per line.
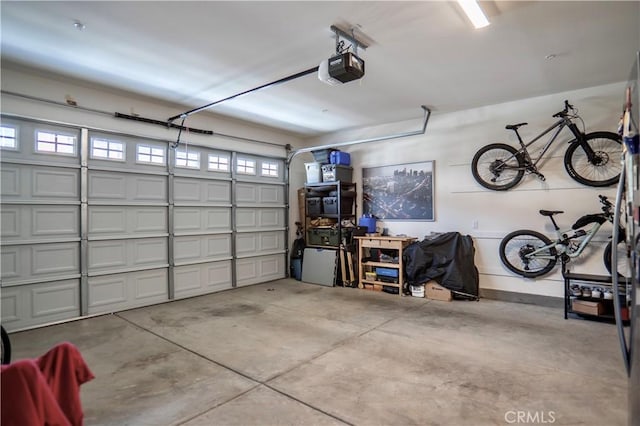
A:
452,140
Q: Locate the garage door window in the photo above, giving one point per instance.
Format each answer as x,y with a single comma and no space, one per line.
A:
246,167
150,155
218,163
188,159
8,138
107,149
269,169
55,143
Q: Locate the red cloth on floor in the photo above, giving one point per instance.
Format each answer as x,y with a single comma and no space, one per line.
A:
45,390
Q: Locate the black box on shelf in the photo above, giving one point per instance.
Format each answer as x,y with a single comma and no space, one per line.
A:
330,205
314,206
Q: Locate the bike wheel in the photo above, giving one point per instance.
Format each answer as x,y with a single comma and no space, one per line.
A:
605,170
498,167
516,249
623,266
6,346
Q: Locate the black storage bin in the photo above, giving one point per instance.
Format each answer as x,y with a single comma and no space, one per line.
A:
330,205
314,206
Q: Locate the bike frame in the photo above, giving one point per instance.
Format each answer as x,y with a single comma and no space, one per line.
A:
560,243
560,124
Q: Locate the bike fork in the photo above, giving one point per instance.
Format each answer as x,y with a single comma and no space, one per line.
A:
582,140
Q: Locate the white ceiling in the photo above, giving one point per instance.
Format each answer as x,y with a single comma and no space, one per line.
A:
422,52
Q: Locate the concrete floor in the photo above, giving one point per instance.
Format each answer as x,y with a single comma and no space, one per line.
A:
288,353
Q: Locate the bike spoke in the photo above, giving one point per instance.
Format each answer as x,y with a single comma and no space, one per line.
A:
514,250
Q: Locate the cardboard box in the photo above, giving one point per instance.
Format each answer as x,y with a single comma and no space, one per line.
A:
587,307
436,292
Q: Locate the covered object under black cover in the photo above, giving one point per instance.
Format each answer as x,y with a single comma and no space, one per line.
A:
446,258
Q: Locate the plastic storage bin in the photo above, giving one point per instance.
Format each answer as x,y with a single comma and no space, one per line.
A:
314,206
327,236
314,172
330,205
336,172
339,157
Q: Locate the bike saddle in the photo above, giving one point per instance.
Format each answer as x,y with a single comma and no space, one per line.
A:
514,126
550,212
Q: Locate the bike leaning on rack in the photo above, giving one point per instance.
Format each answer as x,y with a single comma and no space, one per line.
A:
532,254
591,159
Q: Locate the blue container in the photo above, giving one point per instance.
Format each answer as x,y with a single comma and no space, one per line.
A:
296,269
387,272
341,158
369,222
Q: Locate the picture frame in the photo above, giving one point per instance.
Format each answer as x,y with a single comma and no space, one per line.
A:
400,191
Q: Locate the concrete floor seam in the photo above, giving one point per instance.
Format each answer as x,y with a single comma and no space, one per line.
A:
259,382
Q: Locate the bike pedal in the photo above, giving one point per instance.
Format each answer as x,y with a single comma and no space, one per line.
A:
541,177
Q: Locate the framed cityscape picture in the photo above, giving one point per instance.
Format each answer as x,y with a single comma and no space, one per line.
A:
400,192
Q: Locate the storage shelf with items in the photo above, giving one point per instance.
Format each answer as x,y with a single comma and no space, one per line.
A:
592,296
329,213
330,199
380,262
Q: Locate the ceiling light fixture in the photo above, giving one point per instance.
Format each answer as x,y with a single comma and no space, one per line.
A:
78,25
474,13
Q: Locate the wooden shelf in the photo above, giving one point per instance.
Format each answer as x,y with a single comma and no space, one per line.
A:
384,243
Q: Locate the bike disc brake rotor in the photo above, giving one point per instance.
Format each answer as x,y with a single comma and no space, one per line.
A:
600,158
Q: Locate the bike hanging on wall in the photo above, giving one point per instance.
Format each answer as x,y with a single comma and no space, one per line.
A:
591,159
532,254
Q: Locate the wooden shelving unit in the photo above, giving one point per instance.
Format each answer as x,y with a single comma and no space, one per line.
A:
366,243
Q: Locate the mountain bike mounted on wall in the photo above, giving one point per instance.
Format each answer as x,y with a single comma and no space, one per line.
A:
532,254
591,159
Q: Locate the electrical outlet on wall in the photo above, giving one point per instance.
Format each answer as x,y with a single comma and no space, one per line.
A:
474,224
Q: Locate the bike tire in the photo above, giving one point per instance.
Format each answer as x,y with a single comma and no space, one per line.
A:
624,269
608,148
6,346
497,167
515,245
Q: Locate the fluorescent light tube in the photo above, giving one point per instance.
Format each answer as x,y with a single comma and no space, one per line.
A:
474,13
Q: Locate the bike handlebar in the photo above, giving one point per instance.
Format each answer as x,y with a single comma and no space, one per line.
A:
563,113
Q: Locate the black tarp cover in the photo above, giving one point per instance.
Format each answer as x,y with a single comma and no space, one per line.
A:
446,258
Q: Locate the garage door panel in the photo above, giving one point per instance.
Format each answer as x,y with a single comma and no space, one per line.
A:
127,220
202,219
250,218
129,187
204,278
50,183
11,182
55,258
28,182
112,293
39,261
29,222
199,247
201,191
132,253
35,304
259,242
260,269
259,194
55,298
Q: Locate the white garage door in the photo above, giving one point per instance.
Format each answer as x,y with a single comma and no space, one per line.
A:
96,222
40,223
